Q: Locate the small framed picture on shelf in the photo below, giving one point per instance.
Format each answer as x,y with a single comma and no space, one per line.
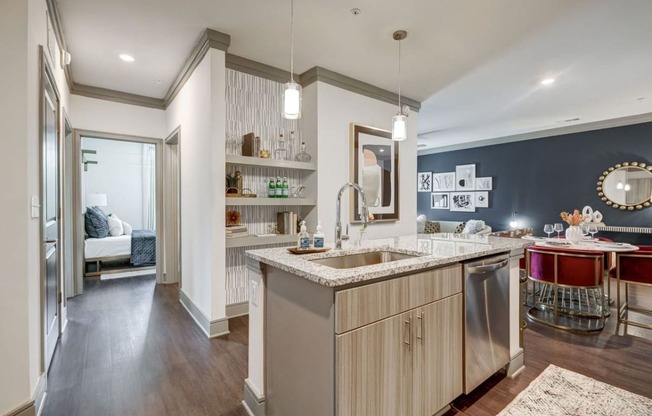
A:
424,182
439,200
463,201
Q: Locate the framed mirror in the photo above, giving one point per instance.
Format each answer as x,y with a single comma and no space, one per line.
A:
374,166
626,186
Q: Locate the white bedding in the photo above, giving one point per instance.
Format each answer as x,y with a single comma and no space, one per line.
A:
107,247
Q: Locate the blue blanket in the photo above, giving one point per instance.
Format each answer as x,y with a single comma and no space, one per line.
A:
143,248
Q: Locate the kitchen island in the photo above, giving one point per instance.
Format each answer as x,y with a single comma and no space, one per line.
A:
371,330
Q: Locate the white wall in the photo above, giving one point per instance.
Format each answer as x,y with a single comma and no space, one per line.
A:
199,109
336,109
119,175
22,30
112,117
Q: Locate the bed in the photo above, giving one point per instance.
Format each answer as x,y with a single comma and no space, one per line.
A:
137,250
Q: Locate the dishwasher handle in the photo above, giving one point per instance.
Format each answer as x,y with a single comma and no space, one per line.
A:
486,268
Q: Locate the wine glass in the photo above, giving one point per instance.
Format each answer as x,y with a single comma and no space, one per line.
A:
593,229
559,227
548,229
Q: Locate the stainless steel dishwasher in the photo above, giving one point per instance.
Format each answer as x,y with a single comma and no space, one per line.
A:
486,319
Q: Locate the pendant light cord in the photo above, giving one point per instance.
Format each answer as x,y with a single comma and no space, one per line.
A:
292,41
399,77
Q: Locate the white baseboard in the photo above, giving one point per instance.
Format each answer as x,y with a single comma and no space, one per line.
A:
237,309
212,329
253,403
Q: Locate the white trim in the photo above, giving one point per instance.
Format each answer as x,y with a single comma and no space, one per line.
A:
516,364
212,329
253,401
541,134
237,309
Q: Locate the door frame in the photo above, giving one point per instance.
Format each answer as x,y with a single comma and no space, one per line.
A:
47,76
78,222
172,230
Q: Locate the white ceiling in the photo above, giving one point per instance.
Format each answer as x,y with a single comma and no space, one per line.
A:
475,64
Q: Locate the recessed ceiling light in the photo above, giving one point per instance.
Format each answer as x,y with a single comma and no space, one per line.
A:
355,11
547,81
126,58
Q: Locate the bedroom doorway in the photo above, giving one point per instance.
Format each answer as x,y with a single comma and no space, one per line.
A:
118,207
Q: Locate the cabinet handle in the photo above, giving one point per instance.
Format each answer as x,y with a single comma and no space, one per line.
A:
420,331
408,331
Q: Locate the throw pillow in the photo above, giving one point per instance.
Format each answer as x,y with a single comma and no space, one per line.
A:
128,230
459,228
473,227
115,225
99,227
432,227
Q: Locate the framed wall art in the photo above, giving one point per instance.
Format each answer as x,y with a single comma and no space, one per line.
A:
424,182
443,181
465,178
484,184
482,199
439,200
374,166
462,201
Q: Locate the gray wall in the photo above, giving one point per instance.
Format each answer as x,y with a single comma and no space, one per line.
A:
542,177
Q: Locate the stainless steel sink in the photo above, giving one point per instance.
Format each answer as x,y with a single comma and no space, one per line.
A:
351,261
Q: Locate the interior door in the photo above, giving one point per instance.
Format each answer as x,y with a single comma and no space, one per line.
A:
50,213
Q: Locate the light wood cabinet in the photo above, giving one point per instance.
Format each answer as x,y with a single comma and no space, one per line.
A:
408,364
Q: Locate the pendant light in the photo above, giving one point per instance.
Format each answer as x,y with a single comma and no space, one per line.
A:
399,121
292,92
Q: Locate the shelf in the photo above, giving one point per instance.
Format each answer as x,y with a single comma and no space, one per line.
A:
252,240
271,201
272,163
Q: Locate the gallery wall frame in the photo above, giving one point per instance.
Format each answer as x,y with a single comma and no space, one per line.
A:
374,162
424,182
465,178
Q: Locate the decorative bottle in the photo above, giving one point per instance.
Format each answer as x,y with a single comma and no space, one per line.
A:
292,146
281,152
284,188
271,188
303,156
278,188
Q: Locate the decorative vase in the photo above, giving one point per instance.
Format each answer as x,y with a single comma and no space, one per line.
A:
574,234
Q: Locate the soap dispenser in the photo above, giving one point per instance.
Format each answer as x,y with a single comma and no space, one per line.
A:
303,241
318,237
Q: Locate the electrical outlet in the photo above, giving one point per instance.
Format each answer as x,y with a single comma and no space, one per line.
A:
253,293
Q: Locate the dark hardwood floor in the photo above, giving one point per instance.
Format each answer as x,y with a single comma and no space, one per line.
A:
131,349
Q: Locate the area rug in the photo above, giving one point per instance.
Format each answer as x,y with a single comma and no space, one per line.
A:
560,392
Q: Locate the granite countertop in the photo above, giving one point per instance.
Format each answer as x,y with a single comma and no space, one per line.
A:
432,250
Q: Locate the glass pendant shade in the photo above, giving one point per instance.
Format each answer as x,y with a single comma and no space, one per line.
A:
399,128
292,101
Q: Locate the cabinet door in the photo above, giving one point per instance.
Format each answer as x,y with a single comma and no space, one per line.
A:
374,368
437,355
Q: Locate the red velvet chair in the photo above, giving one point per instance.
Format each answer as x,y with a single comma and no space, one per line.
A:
568,288
632,268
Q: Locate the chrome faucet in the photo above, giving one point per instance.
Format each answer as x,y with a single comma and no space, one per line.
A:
338,223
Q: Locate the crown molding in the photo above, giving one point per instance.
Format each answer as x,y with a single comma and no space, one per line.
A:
116,96
240,64
209,39
342,81
542,134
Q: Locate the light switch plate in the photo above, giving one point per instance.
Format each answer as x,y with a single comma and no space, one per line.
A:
253,293
35,208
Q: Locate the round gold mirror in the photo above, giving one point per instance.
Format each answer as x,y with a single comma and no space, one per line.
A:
626,186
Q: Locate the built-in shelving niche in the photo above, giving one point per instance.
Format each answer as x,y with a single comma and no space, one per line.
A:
253,104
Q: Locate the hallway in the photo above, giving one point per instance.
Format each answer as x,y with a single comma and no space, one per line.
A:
130,348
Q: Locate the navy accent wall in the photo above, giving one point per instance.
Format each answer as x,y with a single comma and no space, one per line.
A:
540,178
